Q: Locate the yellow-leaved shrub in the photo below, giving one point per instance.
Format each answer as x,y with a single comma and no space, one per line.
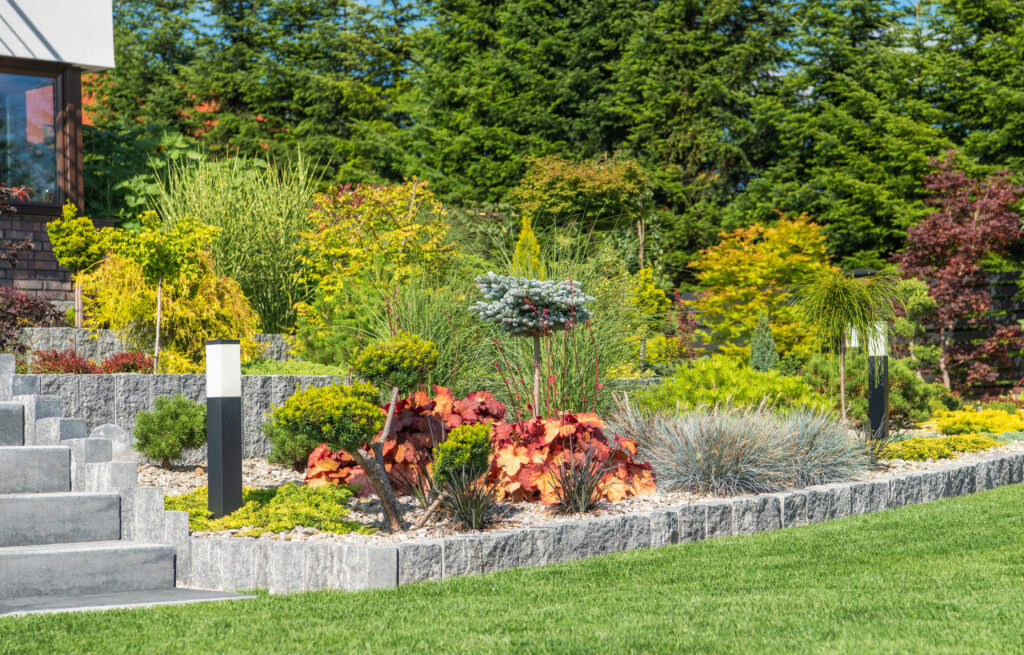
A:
196,307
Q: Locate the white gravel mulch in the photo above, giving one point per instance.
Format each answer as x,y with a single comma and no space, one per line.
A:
258,473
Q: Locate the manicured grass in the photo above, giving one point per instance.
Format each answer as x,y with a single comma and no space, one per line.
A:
946,577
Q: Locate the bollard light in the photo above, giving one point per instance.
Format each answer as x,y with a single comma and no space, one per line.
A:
878,380
224,425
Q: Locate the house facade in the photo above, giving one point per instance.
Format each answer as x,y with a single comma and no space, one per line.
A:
45,46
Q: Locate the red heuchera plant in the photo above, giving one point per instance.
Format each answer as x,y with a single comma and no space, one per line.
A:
973,219
420,423
524,451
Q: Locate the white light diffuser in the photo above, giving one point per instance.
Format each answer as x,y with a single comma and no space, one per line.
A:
223,369
878,342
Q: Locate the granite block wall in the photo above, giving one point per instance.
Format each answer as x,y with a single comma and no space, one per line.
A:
116,399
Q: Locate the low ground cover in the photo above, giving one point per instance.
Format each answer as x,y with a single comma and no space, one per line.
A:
937,578
273,510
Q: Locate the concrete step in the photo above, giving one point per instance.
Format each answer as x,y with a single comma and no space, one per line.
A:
95,567
116,600
31,469
12,424
28,519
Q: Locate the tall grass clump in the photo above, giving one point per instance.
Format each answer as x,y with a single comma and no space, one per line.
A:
823,450
725,450
261,209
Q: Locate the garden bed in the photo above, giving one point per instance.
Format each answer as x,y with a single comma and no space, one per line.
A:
258,474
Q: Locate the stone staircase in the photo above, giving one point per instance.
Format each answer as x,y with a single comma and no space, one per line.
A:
76,532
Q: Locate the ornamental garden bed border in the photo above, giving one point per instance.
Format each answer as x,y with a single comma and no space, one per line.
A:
234,564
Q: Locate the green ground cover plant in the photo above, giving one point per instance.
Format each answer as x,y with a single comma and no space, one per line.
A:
939,578
922,448
967,420
273,510
291,367
726,380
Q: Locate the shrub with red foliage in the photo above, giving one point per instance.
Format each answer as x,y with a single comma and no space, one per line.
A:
127,363
973,220
524,452
420,423
61,361
20,310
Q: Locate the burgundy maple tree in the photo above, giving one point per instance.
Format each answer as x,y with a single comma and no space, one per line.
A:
972,219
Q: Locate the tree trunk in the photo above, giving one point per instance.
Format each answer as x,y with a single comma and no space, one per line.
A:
379,479
943,351
842,381
156,348
536,375
428,513
378,446
79,311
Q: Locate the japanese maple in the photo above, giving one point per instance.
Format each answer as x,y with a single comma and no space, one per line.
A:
973,221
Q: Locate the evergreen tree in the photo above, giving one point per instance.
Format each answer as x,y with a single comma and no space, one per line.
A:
763,355
856,137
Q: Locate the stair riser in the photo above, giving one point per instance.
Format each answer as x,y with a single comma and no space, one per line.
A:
29,520
86,571
34,470
12,424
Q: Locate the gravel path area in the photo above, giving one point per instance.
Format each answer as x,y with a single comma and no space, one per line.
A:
258,473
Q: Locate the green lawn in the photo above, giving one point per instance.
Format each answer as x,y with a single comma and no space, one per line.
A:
946,577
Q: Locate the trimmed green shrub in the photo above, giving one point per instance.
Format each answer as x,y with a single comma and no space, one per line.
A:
922,448
763,355
467,448
273,510
291,367
174,424
402,361
911,399
340,416
724,380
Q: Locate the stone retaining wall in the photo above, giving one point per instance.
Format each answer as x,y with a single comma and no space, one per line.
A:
100,344
235,564
102,399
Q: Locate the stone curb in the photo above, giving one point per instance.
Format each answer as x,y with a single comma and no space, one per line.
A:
235,564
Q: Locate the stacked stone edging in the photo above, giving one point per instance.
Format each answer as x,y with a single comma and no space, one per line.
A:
117,398
234,564
98,345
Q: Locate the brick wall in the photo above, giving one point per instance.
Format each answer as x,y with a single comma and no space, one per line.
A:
37,272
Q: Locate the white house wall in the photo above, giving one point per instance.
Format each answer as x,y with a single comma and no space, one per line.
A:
79,32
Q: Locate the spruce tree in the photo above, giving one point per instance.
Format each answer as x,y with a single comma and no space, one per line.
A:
763,355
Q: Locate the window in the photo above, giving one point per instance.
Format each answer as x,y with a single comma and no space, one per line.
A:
29,134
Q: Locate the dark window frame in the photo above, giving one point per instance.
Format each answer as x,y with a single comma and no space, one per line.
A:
70,176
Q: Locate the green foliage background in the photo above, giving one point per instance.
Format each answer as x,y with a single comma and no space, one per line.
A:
733,110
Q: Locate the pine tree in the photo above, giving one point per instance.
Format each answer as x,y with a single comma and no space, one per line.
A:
526,261
763,355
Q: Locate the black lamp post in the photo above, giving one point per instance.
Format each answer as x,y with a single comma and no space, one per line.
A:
224,425
878,380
